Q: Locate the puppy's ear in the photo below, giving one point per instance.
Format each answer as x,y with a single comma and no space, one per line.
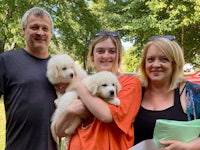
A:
94,89
52,73
118,86
80,72
91,84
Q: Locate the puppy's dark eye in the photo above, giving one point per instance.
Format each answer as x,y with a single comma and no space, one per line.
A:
113,84
64,68
104,85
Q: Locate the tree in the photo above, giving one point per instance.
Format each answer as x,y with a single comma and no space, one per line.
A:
130,60
140,19
74,25
76,21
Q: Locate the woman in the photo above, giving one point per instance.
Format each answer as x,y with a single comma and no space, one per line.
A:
166,93
108,127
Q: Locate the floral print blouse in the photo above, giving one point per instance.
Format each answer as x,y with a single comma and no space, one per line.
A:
193,100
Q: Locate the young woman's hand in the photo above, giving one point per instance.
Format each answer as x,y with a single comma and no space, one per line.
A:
78,108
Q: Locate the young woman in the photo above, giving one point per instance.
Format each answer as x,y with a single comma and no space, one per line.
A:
104,126
166,94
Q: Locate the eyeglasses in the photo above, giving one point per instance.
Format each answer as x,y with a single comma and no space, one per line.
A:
114,34
169,37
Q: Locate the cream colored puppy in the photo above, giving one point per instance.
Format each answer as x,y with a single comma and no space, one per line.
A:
103,84
62,70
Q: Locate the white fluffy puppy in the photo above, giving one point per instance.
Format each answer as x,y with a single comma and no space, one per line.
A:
103,84
61,71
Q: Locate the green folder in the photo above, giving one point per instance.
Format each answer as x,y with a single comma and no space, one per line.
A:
184,131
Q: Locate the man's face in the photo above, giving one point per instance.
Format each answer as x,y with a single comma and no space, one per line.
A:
38,33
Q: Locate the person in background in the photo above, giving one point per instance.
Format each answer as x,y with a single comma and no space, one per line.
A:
28,95
166,93
108,127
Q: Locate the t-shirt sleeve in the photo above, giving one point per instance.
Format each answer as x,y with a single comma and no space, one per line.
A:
130,97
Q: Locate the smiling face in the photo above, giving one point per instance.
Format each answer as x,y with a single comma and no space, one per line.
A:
157,66
60,69
38,33
104,55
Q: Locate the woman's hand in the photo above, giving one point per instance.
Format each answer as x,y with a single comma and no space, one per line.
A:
173,145
78,108
177,145
75,109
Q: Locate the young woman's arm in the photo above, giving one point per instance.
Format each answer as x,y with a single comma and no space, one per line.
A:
98,107
76,108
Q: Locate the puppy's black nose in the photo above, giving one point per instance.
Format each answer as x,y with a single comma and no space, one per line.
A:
112,93
71,75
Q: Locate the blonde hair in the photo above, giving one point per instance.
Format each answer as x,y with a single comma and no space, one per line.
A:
174,53
118,45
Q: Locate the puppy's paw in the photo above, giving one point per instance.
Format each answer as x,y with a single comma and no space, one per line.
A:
69,131
115,101
56,102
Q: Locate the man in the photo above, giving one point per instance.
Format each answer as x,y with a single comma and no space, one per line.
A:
28,95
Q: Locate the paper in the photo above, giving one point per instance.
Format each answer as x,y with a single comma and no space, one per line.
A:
184,131
145,145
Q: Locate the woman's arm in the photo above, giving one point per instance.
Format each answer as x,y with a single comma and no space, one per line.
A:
76,108
98,107
194,145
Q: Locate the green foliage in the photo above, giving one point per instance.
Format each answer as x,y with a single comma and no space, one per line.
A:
140,19
76,21
74,25
130,60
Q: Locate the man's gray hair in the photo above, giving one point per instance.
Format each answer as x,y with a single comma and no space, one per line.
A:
36,11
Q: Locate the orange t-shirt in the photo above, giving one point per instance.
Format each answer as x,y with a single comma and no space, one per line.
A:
118,135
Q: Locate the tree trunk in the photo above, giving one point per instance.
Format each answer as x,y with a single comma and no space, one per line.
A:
1,46
182,38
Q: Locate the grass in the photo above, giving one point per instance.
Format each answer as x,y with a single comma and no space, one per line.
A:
2,125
